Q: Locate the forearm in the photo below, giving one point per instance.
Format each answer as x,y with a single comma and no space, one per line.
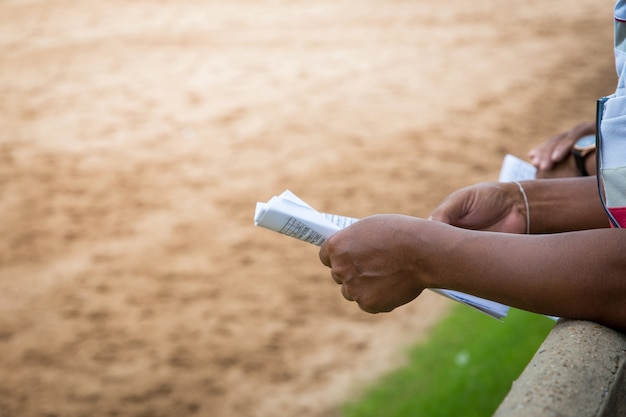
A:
558,205
385,261
574,275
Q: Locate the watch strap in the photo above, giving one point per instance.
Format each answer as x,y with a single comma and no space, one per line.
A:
580,159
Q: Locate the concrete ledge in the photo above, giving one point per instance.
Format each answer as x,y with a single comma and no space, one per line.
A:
579,371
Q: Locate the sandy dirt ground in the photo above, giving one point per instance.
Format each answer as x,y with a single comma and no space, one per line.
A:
137,136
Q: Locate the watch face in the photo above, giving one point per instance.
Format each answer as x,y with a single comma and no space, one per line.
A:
586,142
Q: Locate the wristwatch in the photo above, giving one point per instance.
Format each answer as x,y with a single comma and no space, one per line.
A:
581,149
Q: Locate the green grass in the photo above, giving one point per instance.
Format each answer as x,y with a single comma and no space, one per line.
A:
465,368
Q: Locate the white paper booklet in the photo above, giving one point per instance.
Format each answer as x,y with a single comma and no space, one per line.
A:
289,215
515,169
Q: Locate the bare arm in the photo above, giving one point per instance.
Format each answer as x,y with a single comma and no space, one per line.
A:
565,204
556,205
576,275
386,261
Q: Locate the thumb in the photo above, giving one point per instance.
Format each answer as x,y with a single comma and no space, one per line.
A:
440,216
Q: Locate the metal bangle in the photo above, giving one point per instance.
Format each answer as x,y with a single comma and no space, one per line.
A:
527,206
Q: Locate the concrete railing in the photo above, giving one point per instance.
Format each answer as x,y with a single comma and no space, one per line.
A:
579,371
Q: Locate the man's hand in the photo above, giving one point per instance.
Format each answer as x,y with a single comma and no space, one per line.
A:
375,261
497,207
553,158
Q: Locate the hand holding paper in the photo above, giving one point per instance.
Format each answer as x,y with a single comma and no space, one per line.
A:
289,215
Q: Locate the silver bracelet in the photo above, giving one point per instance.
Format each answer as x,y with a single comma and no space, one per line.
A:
527,206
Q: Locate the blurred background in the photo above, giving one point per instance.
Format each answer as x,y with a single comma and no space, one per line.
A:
136,138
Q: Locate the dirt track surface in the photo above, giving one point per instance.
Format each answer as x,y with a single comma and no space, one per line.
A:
136,138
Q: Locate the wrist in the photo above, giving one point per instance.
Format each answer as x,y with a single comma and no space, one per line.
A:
436,256
565,204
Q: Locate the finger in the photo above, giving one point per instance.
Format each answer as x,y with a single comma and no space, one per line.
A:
534,159
538,152
346,295
439,215
369,309
336,277
542,151
541,161
545,164
562,150
447,212
324,258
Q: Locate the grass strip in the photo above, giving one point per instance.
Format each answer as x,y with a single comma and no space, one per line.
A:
465,367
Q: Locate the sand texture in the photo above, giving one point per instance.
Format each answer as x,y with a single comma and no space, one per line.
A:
137,136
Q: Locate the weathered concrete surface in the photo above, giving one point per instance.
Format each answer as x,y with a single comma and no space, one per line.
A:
579,371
